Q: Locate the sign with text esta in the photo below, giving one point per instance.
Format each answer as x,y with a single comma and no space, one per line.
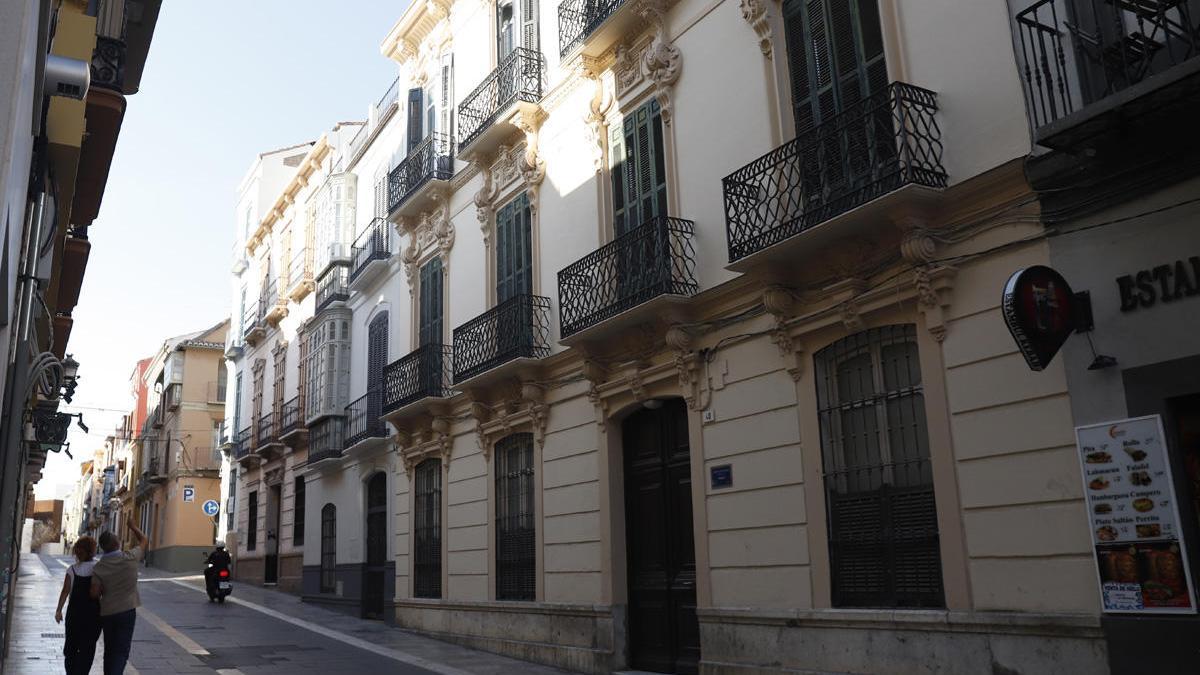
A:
1140,557
1038,308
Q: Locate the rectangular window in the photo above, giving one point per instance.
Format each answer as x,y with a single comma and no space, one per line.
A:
882,519
298,513
515,542
231,502
430,326
237,404
416,107
328,548
639,175
427,546
252,522
514,265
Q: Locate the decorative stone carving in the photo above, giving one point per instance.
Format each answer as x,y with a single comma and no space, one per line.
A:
595,374
934,288
597,108
780,302
533,171
442,438
637,386
443,227
850,316
918,246
483,198
686,364
538,410
626,68
661,61
755,14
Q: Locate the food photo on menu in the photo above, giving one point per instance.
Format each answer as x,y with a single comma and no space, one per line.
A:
1157,568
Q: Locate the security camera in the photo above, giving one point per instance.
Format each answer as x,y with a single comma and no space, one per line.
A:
67,77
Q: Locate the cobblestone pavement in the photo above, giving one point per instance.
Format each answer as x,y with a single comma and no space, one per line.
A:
256,631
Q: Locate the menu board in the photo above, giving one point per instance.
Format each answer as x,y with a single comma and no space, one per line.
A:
1134,517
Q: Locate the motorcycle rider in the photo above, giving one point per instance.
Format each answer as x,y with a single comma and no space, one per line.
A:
217,560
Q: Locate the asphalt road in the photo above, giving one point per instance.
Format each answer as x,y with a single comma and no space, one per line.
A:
254,631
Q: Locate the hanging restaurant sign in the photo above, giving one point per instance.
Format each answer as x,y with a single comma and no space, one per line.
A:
1134,518
1038,308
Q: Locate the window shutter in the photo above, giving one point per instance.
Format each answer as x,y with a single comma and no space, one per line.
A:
513,255
639,170
430,327
447,103
616,143
504,267
416,108
529,24
381,197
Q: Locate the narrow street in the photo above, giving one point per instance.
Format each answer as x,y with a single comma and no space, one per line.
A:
255,631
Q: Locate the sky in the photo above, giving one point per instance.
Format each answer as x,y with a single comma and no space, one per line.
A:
224,81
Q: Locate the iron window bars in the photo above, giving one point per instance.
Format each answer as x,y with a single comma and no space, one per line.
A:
517,78
362,418
656,258
427,547
1074,53
375,243
516,328
432,159
333,286
882,521
251,318
328,548
423,373
578,19
515,541
875,146
291,418
326,439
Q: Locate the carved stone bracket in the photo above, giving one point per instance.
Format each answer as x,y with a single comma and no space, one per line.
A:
483,198
534,169
755,14
661,61
780,303
598,107
596,375
935,285
687,363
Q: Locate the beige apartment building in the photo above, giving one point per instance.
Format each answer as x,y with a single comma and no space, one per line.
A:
685,320
178,448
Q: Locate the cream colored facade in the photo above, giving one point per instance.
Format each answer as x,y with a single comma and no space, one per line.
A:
743,350
178,448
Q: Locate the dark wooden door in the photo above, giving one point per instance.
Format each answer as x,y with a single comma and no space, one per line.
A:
664,635
373,575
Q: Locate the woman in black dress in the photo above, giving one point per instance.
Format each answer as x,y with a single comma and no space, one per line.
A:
83,614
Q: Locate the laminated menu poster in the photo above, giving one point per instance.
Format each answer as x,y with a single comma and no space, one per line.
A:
1134,517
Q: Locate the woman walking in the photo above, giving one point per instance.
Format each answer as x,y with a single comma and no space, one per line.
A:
83,614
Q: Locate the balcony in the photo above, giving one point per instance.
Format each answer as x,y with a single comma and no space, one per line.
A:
1095,69
225,437
364,429
333,286
254,327
326,441
300,274
370,253
881,158
628,279
412,184
291,423
234,346
412,381
266,435
243,446
513,333
275,304
156,418
490,114
592,27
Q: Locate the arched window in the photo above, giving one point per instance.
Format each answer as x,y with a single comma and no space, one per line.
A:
427,528
328,548
515,542
882,520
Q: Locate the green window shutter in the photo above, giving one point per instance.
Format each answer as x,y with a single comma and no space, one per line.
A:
639,169
430,328
514,257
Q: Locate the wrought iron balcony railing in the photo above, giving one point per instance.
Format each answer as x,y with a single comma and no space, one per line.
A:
266,430
577,19
292,417
362,418
243,443
432,159
326,439
880,144
516,328
517,78
1075,53
108,63
375,243
656,258
333,286
424,373
173,396
250,320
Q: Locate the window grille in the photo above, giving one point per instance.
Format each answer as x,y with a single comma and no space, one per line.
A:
515,543
328,548
882,522
427,550
298,513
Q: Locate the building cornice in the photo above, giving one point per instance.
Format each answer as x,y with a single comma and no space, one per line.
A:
310,164
417,22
